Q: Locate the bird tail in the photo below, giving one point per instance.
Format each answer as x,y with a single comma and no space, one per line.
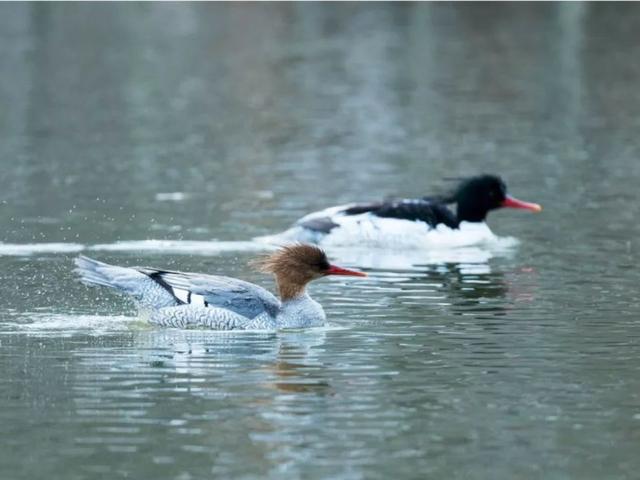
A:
146,292
95,273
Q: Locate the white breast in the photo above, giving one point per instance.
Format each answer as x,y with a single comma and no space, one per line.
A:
302,312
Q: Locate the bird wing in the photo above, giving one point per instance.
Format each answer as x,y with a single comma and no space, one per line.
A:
241,297
424,210
428,210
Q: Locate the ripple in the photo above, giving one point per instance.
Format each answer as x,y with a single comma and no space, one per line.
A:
53,324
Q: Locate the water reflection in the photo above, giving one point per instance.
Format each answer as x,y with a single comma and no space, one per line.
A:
414,259
297,368
215,383
288,360
456,279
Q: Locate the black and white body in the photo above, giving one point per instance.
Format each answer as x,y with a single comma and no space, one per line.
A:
420,222
195,300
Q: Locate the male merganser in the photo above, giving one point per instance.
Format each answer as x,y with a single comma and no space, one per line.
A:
196,300
417,222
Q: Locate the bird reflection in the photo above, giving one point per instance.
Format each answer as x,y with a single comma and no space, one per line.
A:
295,369
284,361
461,287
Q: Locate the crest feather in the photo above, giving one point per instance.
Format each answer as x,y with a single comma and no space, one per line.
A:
290,256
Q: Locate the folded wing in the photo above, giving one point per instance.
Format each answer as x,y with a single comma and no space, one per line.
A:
427,210
240,297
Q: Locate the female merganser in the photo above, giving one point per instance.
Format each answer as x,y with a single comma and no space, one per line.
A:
417,222
196,300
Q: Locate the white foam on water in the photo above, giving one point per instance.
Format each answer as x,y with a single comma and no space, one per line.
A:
185,247
65,325
171,196
24,249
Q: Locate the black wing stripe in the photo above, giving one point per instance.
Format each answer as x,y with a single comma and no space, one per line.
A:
157,277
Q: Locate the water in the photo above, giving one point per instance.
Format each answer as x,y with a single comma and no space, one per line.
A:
172,134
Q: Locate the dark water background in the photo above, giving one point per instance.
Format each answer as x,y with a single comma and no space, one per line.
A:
130,122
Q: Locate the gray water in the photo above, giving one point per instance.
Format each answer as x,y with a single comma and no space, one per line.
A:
217,123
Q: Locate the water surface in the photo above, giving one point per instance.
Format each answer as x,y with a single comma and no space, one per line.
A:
172,134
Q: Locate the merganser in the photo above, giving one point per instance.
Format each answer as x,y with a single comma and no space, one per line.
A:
196,300
417,222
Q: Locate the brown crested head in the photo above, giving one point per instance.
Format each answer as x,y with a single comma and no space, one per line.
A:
301,258
296,265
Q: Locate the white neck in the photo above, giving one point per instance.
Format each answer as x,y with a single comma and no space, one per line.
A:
301,312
